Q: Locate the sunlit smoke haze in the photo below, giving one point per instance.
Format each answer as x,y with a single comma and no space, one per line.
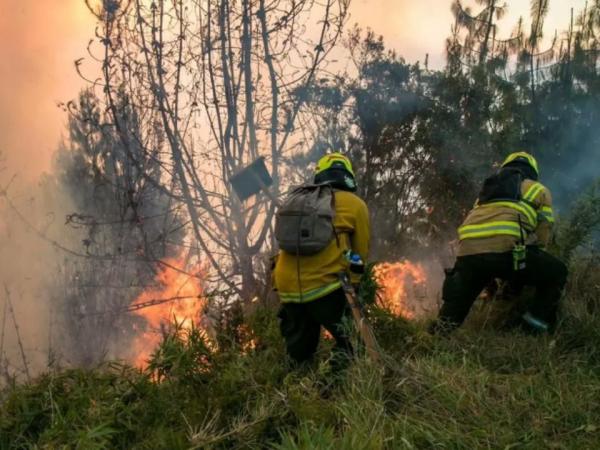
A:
39,42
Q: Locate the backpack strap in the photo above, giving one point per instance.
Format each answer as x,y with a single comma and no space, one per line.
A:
335,232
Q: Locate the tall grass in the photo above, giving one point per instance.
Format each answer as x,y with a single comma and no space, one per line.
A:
480,388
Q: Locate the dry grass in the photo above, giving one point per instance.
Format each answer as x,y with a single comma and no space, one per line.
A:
478,389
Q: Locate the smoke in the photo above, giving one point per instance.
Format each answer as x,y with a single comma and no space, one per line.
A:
570,151
38,43
29,266
70,275
40,40
414,29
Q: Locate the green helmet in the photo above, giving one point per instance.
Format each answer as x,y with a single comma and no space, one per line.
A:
522,156
336,169
334,160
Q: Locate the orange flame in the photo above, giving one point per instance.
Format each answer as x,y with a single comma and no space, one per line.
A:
179,297
399,285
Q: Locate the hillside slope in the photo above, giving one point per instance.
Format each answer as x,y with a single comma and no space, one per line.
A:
478,389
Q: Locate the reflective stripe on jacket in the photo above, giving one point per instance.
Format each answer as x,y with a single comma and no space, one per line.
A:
495,227
301,279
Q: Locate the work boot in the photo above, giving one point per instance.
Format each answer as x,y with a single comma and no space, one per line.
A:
534,325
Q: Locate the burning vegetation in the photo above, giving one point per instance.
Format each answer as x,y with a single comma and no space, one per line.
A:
176,300
402,287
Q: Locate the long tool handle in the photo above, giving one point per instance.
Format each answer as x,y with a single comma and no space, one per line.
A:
266,190
362,323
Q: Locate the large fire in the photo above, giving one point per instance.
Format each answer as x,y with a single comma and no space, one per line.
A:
178,297
401,285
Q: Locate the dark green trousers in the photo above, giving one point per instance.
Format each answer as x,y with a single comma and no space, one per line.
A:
300,326
472,273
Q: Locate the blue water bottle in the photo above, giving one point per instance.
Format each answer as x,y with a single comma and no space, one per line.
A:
356,263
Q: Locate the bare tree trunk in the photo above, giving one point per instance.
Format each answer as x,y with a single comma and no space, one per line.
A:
485,45
228,95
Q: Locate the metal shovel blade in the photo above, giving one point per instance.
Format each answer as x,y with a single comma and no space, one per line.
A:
251,179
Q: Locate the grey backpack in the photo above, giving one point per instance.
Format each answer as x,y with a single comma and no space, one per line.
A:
304,222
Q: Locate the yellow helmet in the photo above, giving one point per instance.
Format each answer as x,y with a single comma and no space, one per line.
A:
333,160
523,156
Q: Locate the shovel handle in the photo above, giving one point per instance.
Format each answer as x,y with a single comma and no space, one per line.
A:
362,323
266,190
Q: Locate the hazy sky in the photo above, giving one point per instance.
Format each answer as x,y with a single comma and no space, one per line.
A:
40,39
38,42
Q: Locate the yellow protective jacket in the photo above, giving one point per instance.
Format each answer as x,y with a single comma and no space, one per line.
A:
494,227
301,279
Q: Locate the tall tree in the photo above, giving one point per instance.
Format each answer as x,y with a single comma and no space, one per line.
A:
475,33
126,224
217,76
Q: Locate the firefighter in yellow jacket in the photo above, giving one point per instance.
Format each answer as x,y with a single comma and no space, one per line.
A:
504,236
309,286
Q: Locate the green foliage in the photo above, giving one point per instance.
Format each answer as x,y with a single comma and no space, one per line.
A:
183,355
368,285
582,221
309,436
84,409
423,140
477,389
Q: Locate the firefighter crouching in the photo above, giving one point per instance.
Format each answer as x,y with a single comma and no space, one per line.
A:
503,237
311,258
